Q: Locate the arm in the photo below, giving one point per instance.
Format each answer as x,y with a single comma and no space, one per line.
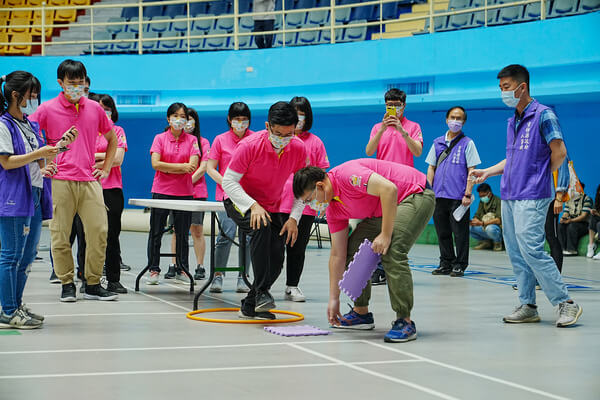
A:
111,150
582,217
337,265
18,161
117,162
495,221
559,153
468,197
483,174
169,168
388,194
415,147
374,141
199,172
211,170
430,174
241,199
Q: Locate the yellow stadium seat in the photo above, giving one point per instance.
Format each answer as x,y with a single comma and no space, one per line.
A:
19,21
58,2
3,39
35,3
65,15
37,20
14,3
20,49
80,2
21,14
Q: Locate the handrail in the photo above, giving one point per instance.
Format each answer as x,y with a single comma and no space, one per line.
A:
142,22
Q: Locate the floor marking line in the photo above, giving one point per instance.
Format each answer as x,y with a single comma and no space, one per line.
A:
112,314
377,374
385,362
159,299
106,302
469,372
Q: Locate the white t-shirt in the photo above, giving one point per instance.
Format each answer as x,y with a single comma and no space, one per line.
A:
31,144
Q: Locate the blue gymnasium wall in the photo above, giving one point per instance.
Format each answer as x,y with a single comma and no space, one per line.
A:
346,82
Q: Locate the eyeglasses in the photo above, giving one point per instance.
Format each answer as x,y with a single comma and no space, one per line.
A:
312,196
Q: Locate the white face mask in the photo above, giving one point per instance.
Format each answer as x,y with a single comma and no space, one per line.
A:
509,98
189,126
399,110
300,124
74,92
240,126
177,123
32,105
318,206
279,142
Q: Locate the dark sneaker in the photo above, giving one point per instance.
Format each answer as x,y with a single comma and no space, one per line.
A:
171,273
441,271
246,313
401,331
97,292
378,277
82,288
457,271
31,314
354,320
19,320
200,273
69,293
54,278
125,267
116,287
264,302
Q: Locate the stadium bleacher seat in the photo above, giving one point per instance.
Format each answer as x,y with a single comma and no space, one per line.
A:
290,4
479,16
460,21
589,5
342,16
133,26
326,35
115,29
174,9
225,24
163,24
247,23
203,25
3,39
152,11
508,15
14,3
150,45
21,14
290,39
215,43
19,25
35,3
102,47
307,37
196,43
129,12
439,23
294,20
198,9
363,12
355,34
218,7
180,26
533,11
317,17
562,8
306,4
125,47
246,42
37,20
170,41
244,6
390,11
20,49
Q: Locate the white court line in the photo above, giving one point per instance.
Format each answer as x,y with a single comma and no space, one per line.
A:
468,372
107,302
216,346
377,374
112,314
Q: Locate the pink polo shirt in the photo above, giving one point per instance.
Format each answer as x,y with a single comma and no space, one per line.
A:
392,146
115,178
318,158
200,190
264,171
351,200
174,150
221,150
56,116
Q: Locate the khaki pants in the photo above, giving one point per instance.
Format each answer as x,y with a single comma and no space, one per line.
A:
412,215
83,198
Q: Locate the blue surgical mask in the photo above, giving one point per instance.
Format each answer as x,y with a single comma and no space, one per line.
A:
32,105
485,199
508,98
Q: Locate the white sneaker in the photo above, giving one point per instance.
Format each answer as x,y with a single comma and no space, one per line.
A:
153,279
294,293
568,314
217,284
590,251
596,257
241,286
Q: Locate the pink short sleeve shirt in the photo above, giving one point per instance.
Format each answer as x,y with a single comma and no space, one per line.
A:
115,178
56,116
264,171
393,147
351,200
174,150
221,150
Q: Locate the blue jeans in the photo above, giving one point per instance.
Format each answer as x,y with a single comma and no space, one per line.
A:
19,237
524,235
223,245
490,232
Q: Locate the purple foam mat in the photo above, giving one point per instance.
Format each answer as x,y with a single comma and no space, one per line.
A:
359,270
297,330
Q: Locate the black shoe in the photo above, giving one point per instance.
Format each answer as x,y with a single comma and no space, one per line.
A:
171,273
82,288
441,271
457,271
200,273
378,277
97,292
54,278
125,267
264,302
69,293
247,312
116,287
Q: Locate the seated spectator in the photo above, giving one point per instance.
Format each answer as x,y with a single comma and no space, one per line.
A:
594,226
574,223
486,225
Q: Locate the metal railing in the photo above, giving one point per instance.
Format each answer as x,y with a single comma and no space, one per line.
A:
332,26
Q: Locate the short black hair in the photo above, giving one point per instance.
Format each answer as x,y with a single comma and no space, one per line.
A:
20,82
107,101
282,113
455,107
71,69
88,80
395,95
238,109
306,179
515,71
484,187
196,132
173,108
94,96
302,104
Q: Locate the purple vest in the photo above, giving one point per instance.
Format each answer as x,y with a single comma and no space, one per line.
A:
16,199
527,174
450,180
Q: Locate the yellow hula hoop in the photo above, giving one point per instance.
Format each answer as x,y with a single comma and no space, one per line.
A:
191,315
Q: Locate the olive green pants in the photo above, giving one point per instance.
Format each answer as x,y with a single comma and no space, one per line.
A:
412,215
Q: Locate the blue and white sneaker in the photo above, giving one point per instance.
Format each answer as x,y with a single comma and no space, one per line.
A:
401,331
354,320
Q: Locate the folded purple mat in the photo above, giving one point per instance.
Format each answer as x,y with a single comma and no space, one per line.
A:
359,270
298,330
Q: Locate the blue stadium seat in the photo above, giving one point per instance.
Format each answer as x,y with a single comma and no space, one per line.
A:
460,21
170,41
180,26
355,34
342,16
458,4
125,47
203,25
306,4
363,12
290,39
507,15
439,23
277,25
326,35
133,25
151,45
198,9
290,4
247,23
217,43
244,6
218,7
317,17
479,17
152,11
294,20
115,29
307,37
589,5
533,11
390,11
162,26
173,10
195,44
129,12
102,47
225,23
561,8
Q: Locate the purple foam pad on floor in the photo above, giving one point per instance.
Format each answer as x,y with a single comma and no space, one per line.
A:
359,270
299,330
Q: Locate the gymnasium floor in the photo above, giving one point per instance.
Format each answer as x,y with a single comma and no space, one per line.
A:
143,347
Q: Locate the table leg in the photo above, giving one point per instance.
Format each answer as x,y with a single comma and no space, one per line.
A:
137,280
211,275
